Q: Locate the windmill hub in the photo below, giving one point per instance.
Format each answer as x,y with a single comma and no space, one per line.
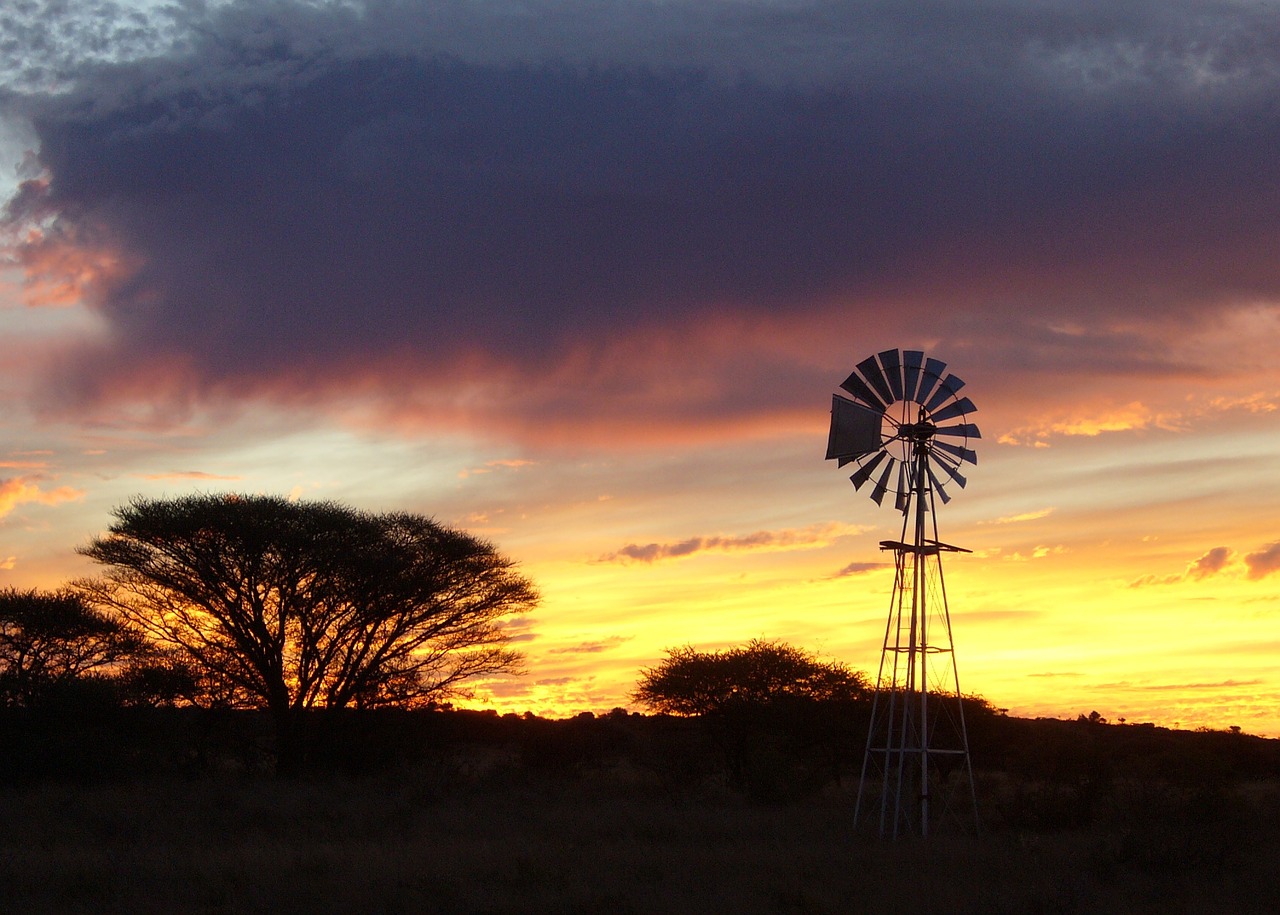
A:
919,432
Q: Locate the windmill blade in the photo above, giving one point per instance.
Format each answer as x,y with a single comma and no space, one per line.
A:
892,363
855,429
959,408
912,360
870,370
967,430
947,388
903,500
937,486
933,369
951,470
964,454
858,388
864,472
882,484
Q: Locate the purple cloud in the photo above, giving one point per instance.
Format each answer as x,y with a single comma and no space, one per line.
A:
294,201
1210,563
1263,562
788,539
861,568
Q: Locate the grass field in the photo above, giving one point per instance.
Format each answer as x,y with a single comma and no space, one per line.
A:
413,843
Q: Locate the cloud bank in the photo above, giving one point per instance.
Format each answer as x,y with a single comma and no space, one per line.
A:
560,216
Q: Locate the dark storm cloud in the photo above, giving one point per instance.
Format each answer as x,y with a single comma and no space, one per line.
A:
301,197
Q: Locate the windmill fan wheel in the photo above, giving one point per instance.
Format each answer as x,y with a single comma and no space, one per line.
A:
903,412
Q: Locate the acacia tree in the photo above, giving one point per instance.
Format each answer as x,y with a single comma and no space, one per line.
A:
762,672
290,605
771,708
49,639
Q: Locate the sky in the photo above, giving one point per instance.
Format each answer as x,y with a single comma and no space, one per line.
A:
580,277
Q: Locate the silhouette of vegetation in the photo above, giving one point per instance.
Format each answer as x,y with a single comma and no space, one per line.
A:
463,811
52,641
782,719
141,705
280,605
760,673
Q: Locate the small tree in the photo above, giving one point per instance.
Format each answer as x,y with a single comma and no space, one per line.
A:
50,639
289,605
780,716
758,674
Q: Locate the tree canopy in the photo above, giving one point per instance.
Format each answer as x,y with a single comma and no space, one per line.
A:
761,673
49,639
287,605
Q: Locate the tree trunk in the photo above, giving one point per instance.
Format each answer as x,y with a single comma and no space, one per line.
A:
290,742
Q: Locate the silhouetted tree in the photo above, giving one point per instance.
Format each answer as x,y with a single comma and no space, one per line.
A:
692,682
160,678
780,716
290,605
51,639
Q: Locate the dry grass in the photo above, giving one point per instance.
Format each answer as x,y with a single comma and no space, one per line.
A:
404,845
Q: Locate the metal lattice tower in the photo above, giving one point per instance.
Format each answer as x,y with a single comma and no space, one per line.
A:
917,752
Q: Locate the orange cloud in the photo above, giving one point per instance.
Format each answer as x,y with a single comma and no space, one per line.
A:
18,490
63,263
59,274
1124,418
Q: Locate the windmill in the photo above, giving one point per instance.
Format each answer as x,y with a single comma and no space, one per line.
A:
906,429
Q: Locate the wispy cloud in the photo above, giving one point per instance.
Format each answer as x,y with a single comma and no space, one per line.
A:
1161,687
187,475
1025,516
1040,551
807,538
518,628
491,466
594,647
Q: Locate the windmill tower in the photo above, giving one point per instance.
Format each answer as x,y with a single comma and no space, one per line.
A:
906,430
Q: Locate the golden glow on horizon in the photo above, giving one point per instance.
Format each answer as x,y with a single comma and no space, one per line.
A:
1124,561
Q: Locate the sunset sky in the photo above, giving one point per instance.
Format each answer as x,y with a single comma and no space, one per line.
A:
580,276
